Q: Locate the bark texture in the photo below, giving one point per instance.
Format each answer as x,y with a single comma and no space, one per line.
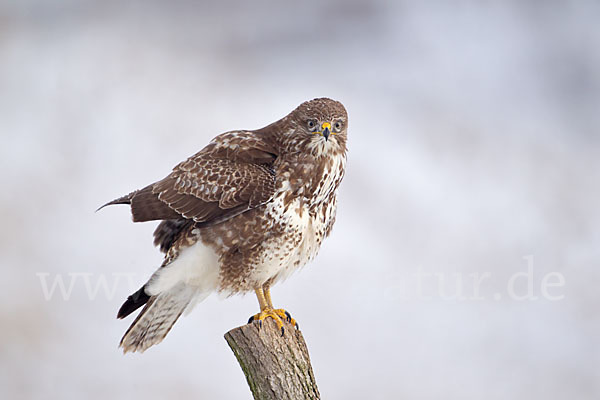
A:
276,367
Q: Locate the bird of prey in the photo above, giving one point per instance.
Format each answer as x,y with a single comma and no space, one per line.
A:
240,215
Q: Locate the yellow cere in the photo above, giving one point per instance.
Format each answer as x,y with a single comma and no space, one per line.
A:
326,125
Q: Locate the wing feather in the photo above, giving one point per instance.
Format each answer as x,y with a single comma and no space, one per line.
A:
207,188
231,175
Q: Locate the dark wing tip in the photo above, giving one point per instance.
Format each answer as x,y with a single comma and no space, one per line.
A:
121,200
133,302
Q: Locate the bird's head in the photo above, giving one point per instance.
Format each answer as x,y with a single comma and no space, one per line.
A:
317,127
322,125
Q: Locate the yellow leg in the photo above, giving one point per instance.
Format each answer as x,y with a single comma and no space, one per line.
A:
268,311
262,299
267,292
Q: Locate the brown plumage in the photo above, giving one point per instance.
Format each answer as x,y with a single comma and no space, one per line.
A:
241,214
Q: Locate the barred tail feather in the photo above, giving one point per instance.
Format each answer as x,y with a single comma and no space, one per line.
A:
157,318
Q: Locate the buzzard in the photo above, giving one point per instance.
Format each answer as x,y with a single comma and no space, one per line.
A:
238,216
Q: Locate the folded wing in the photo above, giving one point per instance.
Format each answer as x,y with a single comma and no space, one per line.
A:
208,188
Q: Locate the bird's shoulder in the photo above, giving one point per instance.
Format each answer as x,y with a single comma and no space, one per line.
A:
238,147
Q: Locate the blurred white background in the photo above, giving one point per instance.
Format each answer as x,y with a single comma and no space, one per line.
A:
474,153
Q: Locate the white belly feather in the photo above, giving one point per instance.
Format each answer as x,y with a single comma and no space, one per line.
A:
282,256
196,266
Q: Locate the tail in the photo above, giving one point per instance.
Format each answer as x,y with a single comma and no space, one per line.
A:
157,318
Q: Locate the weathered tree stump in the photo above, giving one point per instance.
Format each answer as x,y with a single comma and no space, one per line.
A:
276,367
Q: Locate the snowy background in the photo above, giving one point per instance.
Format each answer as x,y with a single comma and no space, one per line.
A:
474,156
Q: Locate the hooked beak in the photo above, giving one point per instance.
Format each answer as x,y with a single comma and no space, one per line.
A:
326,130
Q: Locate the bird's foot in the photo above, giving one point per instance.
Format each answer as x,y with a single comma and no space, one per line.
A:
287,316
279,315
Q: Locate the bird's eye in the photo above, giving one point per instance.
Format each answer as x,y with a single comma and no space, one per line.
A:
337,127
311,124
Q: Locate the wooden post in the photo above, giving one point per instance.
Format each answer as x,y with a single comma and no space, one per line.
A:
276,367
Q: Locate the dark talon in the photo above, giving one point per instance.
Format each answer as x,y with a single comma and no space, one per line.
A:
259,324
297,326
289,316
282,331
251,319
